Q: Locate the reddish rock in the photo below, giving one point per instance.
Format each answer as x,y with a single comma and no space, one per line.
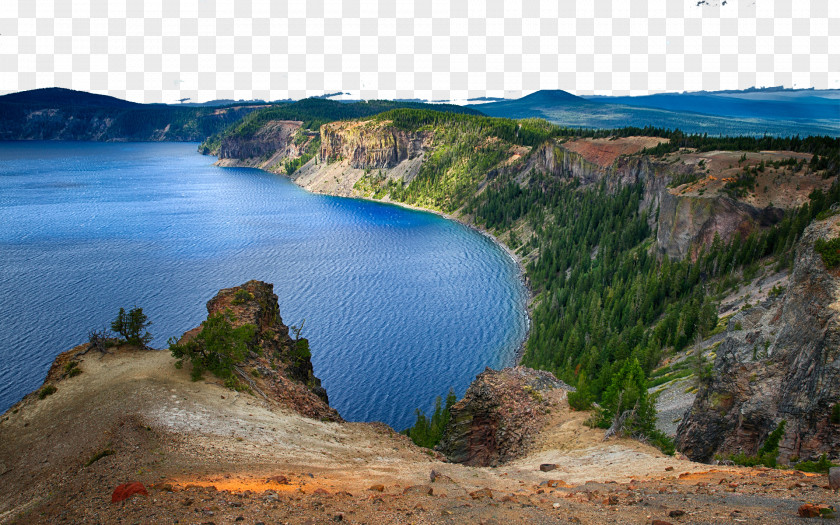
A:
126,490
279,479
482,493
499,416
809,511
419,489
379,487
547,467
282,375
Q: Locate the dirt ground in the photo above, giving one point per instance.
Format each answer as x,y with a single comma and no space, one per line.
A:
206,454
603,152
781,187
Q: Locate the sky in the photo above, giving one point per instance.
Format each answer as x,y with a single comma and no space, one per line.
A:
166,50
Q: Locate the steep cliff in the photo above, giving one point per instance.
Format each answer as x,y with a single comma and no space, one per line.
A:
371,144
499,416
277,366
269,148
779,361
686,223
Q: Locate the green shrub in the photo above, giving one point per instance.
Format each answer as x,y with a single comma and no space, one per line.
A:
662,442
835,414
821,465
47,391
580,400
768,454
132,326
217,348
242,296
829,251
72,369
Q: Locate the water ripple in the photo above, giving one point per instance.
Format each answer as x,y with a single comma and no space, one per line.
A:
399,305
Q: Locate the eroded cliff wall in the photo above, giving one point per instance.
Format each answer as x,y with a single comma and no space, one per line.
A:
780,360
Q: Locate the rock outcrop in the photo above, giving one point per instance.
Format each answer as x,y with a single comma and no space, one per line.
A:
779,361
687,223
370,144
279,369
499,416
273,143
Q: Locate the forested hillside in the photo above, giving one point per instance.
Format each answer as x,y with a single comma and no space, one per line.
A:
63,114
312,113
607,301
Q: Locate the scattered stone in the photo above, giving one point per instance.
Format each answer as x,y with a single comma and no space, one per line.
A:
418,489
321,492
834,478
240,518
809,511
126,490
482,493
557,483
660,522
669,469
433,476
676,513
338,517
279,479
379,487
187,502
556,505
548,467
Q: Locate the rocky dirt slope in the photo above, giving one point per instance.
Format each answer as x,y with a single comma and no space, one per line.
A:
780,360
206,454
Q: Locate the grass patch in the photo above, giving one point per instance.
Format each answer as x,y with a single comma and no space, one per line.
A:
99,455
670,376
47,391
829,251
72,369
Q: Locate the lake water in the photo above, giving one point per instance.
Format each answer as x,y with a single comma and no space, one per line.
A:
399,305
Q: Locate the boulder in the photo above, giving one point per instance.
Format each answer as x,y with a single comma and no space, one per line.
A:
126,490
499,416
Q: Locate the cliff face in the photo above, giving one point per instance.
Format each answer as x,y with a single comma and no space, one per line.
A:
272,144
280,371
499,416
779,361
370,144
688,222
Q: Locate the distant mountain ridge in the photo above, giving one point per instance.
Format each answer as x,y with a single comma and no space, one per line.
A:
755,112
52,97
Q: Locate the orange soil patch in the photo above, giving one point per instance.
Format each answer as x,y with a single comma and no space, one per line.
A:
257,485
603,152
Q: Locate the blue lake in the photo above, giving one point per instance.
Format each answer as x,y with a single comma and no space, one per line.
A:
399,305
